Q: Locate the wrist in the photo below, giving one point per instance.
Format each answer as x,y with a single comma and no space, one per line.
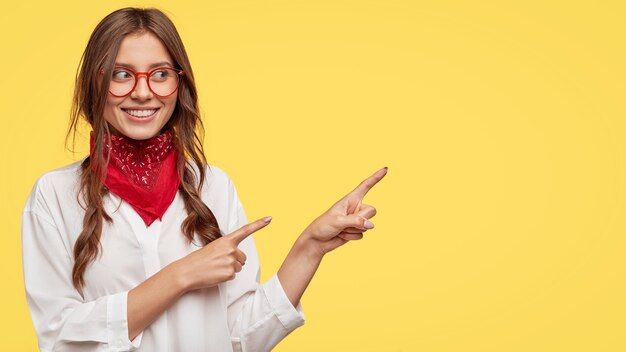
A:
179,279
306,246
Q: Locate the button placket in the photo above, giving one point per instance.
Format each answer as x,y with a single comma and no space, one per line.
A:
148,238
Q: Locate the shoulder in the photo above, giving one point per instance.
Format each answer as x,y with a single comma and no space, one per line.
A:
214,176
61,183
218,189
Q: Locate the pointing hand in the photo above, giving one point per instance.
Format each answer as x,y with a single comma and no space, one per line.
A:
347,219
220,260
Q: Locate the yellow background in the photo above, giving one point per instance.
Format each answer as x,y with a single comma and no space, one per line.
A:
500,224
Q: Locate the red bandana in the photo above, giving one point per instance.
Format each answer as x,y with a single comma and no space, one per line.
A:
143,173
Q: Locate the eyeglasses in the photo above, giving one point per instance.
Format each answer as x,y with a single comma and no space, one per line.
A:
162,81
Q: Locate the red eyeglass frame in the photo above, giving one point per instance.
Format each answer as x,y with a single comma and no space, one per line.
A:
147,74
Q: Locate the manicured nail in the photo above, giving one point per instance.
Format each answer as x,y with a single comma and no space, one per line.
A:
368,225
267,219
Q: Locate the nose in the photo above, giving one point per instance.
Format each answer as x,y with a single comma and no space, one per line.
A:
142,91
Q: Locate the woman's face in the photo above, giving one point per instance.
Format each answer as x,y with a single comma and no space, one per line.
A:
127,115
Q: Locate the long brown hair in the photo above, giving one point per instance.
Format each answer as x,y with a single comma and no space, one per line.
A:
89,101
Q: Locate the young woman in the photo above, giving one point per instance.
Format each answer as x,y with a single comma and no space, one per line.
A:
144,246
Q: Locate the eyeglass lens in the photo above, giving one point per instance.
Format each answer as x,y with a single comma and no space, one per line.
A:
163,81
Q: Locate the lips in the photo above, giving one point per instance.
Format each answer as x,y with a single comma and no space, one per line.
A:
141,113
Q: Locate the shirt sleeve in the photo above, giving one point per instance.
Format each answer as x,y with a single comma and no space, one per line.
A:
63,320
259,315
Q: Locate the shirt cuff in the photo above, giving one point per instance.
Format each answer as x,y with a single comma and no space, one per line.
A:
289,316
117,324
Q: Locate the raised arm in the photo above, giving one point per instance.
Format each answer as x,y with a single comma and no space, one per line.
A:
346,220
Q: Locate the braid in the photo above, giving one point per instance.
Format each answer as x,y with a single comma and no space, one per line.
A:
200,219
87,246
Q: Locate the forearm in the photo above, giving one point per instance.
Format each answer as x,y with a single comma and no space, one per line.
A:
152,297
298,268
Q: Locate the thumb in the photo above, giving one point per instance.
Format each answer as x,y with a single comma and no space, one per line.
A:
246,230
356,221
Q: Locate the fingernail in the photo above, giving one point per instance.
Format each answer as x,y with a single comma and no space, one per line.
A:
267,219
368,225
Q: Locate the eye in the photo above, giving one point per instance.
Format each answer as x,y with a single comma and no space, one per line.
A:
121,75
161,75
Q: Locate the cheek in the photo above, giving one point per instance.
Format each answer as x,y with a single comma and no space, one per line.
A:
110,109
170,105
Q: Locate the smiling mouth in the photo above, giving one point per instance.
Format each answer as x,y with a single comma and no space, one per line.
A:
140,113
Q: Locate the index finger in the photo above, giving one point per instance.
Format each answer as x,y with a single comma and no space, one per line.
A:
248,229
368,183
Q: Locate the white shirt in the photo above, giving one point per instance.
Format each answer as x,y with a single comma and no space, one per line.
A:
237,315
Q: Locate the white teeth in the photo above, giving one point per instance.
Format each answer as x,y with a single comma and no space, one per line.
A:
140,113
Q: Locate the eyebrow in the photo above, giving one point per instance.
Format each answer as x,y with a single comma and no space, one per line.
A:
156,64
